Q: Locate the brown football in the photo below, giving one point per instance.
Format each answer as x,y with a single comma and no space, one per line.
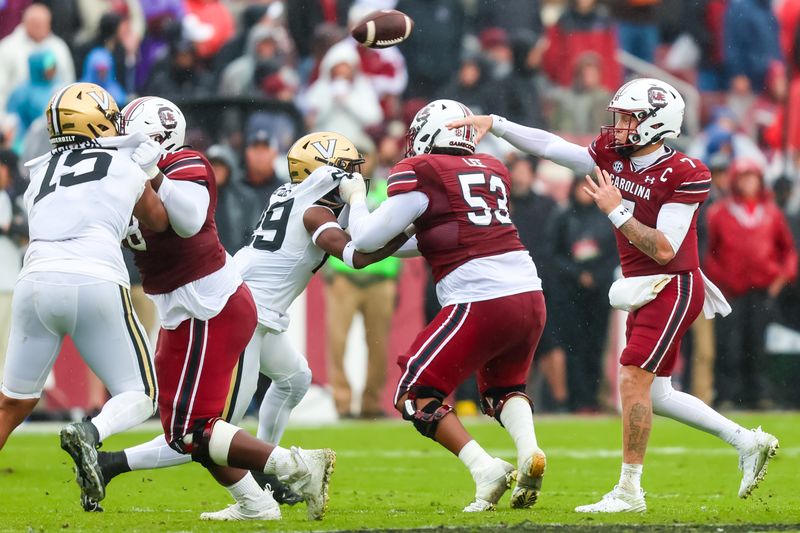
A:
383,28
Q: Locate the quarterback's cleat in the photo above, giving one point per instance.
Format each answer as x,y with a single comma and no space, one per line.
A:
80,441
237,511
312,478
617,501
753,460
281,492
529,481
89,505
491,484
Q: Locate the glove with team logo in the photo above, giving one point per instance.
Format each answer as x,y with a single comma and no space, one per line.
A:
147,155
352,188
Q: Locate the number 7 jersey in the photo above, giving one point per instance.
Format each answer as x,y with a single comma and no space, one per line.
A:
467,216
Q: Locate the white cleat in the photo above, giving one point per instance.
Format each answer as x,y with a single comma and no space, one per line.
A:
491,484
529,481
617,501
238,511
753,461
312,478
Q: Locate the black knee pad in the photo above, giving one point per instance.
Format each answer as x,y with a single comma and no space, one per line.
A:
427,419
494,399
195,443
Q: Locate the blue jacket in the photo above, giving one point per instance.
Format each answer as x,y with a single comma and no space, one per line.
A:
29,100
751,40
99,69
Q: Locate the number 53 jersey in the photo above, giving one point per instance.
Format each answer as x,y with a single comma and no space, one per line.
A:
79,203
466,233
281,258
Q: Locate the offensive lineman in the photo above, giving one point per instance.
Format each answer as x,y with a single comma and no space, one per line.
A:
207,316
296,232
79,201
650,193
493,310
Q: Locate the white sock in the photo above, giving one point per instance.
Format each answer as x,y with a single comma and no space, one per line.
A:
123,411
693,412
154,454
247,492
280,463
474,457
517,417
630,480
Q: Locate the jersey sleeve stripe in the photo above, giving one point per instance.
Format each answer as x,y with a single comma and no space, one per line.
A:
703,191
693,186
173,170
403,182
405,175
183,163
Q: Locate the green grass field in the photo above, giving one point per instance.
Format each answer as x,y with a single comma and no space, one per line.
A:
389,477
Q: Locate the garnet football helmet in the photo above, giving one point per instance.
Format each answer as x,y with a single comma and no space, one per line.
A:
428,130
657,107
80,112
158,118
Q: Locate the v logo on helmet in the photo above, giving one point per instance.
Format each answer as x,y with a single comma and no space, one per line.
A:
101,99
328,151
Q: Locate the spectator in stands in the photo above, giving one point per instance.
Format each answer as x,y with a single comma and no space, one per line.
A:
531,212
751,258
263,53
581,109
371,291
11,15
234,201
496,46
214,25
584,26
13,232
439,28
92,13
100,69
115,34
162,19
261,159
637,26
179,74
237,45
33,34
29,99
343,100
584,258
473,85
525,86
722,138
751,37
511,15
304,16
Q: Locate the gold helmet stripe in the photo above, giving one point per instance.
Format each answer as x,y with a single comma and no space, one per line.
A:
56,116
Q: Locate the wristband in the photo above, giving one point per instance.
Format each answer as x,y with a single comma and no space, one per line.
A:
620,215
327,225
347,254
152,172
499,126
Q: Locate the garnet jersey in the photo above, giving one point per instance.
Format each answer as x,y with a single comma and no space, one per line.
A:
467,215
166,260
672,178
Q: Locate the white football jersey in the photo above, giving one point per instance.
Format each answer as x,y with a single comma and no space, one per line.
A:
281,258
79,205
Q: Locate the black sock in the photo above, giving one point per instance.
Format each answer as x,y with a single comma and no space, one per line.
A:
112,464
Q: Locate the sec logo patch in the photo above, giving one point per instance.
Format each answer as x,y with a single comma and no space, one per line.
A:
617,166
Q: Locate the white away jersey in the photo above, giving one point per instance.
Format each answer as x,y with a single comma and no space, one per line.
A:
280,259
79,205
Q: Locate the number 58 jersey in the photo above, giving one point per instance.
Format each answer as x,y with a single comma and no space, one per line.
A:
79,204
281,258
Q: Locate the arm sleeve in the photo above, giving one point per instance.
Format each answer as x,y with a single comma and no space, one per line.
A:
371,231
186,204
409,249
544,144
674,221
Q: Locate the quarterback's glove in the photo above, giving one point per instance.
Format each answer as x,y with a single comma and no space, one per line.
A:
147,155
352,188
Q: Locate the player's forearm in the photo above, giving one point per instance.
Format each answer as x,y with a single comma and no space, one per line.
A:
186,204
360,259
544,144
649,241
372,231
150,211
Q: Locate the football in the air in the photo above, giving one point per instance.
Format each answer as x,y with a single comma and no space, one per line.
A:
383,28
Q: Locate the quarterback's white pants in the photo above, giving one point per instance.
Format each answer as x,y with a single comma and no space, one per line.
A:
268,353
99,318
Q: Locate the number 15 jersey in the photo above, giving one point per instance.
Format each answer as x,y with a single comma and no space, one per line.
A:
466,233
79,203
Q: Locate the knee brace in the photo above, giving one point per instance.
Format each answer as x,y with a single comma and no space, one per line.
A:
427,419
209,442
493,400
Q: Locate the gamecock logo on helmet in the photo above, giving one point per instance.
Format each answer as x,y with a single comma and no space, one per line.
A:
167,117
657,97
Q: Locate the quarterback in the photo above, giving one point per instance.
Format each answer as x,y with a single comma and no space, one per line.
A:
73,282
493,310
650,193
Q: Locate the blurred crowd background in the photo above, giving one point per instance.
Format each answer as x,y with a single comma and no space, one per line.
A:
252,76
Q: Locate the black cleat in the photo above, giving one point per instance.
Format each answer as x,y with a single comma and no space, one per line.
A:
89,505
282,493
80,440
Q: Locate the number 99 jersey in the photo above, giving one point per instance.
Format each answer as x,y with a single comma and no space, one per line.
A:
79,203
281,258
467,216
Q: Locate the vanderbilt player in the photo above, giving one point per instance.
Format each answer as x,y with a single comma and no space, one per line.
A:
651,194
297,230
493,310
73,282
